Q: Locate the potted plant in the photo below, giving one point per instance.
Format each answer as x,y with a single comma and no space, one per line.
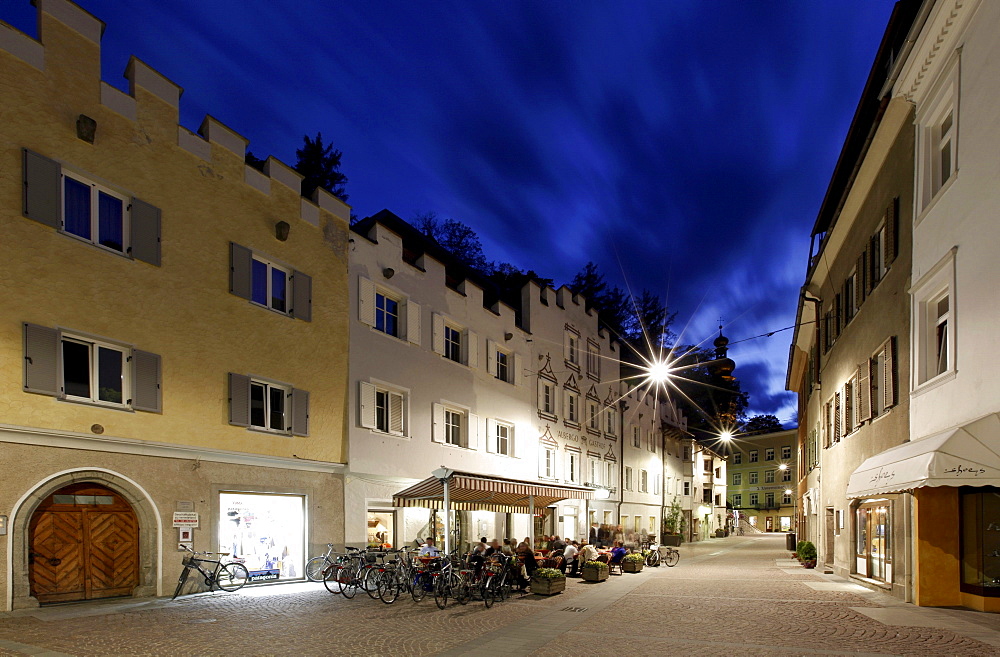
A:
594,571
807,554
547,581
798,550
673,524
632,563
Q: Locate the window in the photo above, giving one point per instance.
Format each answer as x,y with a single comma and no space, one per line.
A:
270,284
849,297
828,423
769,500
652,525
546,397
707,465
937,144
946,149
571,348
636,437
706,495
503,366
652,441
547,464
593,360
656,484
452,427
609,474
452,343
754,499
753,477
738,458
687,453
611,421
687,488
737,479
753,456
934,318
573,467
769,476
769,454
786,474
594,472
628,478
79,368
386,314
643,481
882,379
940,313
95,213
786,452
718,499
572,407
266,405
504,439
268,409
737,501
594,415
851,415
876,256
786,499
382,408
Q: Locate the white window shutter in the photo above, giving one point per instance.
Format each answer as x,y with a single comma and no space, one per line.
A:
540,390
366,405
491,357
396,412
472,431
491,435
437,431
366,301
512,447
412,322
516,365
864,393
471,347
438,333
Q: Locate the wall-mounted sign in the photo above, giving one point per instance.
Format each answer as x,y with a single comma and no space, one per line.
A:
269,575
186,519
185,506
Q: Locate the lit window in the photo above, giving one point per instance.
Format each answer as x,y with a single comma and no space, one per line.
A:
753,478
753,456
769,454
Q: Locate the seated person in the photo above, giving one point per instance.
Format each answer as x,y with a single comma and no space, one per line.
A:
428,549
494,548
527,557
588,553
619,552
478,557
570,559
557,544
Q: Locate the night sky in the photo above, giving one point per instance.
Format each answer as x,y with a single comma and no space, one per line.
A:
683,146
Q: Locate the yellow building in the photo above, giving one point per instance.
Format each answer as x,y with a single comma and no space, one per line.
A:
173,343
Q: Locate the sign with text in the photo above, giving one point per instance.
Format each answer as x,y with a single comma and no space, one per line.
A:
186,519
269,575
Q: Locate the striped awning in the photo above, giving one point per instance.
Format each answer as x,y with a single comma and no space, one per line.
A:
474,492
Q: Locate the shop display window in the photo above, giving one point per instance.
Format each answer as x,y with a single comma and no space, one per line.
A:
980,540
266,531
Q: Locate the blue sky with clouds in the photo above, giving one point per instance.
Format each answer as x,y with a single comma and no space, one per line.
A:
683,146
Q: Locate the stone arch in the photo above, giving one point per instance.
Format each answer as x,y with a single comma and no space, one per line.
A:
150,530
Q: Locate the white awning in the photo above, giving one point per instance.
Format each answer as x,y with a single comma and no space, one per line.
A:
967,456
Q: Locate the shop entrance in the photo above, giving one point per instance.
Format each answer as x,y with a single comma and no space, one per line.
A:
83,545
874,544
380,528
769,524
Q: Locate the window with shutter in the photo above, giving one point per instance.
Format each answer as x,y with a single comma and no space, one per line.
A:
367,405
239,399
437,333
891,231
837,425
890,381
96,372
95,213
864,393
860,276
412,322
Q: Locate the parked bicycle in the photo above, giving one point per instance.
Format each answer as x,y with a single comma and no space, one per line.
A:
226,576
671,556
316,565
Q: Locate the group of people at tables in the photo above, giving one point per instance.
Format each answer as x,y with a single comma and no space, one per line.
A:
551,552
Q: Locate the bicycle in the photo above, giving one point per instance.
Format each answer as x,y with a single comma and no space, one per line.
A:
653,555
671,556
316,566
227,576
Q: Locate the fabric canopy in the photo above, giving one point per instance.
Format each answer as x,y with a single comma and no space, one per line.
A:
967,456
474,492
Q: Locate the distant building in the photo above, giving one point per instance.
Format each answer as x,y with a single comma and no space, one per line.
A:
174,341
763,476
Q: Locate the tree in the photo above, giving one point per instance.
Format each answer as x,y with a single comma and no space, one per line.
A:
457,238
760,424
647,326
319,165
709,403
254,161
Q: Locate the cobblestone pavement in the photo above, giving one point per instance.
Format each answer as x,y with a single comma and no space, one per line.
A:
739,594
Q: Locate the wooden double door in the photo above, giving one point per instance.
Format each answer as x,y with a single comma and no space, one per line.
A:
84,544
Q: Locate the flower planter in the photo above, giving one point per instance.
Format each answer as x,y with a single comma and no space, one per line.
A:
594,574
811,563
673,540
548,585
632,566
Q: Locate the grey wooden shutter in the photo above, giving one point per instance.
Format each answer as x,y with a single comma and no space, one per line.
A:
146,382
859,281
300,412
890,372
41,189
366,301
41,360
144,232
301,296
240,264
891,232
239,400
412,322
366,405
864,392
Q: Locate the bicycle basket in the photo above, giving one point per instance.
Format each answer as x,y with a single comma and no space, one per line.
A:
371,558
187,561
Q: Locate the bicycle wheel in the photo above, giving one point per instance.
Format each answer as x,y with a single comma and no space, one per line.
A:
418,592
488,591
369,582
232,577
460,589
388,587
331,577
653,559
315,567
672,558
180,581
441,591
347,580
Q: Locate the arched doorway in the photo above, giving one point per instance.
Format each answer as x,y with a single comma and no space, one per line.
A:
83,544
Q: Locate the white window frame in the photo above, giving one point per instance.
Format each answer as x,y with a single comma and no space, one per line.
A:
593,415
737,479
572,407
686,488
594,470
609,474
390,394
611,420
636,437
454,337
754,478
786,452
769,476
938,283
593,359
738,500
93,345
450,414
547,463
504,438
506,372
96,189
643,481
286,411
738,458
573,466
942,101
753,456
269,268
385,294
769,454
628,478
546,397
754,499
573,349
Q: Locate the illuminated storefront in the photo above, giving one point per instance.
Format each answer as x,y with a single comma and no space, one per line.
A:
267,531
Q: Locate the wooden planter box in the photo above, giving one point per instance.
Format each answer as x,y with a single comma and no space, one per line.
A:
546,586
594,574
673,540
631,566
